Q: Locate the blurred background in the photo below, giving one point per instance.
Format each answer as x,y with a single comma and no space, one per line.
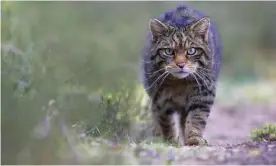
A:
70,73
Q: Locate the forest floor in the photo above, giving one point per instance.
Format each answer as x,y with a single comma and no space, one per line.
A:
233,117
230,123
227,133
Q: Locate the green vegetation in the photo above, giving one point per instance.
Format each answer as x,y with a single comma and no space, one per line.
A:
265,133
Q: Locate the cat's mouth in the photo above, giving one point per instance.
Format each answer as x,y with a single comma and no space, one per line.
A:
180,74
182,71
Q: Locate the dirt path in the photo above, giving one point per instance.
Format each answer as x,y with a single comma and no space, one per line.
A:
227,133
232,124
245,153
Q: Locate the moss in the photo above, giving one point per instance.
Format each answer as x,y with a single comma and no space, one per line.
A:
265,133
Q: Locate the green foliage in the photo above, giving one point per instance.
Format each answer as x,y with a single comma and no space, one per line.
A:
118,110
265,133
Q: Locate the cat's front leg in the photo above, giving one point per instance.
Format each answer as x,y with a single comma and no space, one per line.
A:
163,118
198,113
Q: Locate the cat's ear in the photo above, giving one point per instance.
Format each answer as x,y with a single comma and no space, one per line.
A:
201,28
157,28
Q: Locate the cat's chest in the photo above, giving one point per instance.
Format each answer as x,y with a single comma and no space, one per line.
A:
174,97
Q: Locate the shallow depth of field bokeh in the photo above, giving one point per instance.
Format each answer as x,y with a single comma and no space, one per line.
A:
70,73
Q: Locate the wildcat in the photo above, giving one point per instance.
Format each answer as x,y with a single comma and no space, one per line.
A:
181,64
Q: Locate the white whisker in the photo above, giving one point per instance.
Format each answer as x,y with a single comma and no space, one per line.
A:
199,85
153,74
156,80
162,81
202,79
155,71
206,75
204,69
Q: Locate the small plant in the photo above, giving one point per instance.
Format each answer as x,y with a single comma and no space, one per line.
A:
265,133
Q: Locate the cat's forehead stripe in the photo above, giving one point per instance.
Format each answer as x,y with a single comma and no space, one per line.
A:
179,39
175,39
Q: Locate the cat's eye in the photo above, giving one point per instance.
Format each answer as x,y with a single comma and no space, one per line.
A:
168,51
191,51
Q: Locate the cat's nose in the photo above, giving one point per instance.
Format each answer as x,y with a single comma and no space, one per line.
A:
180,65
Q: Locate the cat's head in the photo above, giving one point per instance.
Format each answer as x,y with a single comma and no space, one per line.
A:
181,51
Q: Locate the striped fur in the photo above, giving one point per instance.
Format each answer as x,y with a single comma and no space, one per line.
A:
180,69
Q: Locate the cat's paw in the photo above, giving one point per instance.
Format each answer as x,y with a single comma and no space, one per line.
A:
196,141
172,142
